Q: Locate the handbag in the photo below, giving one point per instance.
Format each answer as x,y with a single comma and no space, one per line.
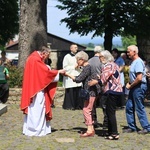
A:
84,94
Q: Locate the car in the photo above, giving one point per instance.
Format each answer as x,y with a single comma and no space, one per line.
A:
14,62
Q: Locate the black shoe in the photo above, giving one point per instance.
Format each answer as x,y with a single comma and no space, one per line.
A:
96,124
128,130
52,106
144,131
105,127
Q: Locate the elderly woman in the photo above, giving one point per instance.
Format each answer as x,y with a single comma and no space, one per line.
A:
112,88
84,77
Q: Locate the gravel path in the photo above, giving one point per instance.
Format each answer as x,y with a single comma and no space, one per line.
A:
66,125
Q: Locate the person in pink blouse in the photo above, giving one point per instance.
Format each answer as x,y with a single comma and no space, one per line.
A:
109,79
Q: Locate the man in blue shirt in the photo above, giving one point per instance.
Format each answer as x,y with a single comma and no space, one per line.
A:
137,87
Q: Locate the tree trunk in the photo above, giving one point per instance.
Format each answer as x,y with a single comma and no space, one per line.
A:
108,39
144,47
108,29
33,27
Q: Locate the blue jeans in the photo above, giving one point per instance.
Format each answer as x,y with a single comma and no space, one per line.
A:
136,103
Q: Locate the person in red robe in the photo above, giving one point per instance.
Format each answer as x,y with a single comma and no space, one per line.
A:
38,92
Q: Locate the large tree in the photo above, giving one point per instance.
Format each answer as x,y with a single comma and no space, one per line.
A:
33,27
138,25
9,24
111,18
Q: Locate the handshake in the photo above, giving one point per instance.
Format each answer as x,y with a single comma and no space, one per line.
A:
62,71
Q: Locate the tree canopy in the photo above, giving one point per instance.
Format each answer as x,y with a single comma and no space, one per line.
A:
9,17
128,40
111,18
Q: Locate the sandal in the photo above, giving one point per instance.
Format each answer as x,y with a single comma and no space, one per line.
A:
112,137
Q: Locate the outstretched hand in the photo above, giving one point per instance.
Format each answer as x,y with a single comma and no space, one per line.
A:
128,86
92,82
66,74
98,76
61,71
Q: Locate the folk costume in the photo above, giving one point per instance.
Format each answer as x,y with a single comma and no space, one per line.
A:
37,95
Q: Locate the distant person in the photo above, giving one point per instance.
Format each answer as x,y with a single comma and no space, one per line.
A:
137,85
37,93
147,67
121,63
71,99
96,67
49,61
126,73
4,59
124,56
4,87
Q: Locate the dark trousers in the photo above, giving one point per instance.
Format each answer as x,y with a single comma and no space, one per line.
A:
71,99
111,113
4,92
121,101
103,106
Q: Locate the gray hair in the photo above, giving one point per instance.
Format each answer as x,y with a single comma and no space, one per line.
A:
107,55
98,49
82,55
133,48
123,54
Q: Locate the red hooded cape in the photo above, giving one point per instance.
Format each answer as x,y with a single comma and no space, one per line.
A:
37,77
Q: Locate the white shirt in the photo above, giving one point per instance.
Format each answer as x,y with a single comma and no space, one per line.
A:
69,63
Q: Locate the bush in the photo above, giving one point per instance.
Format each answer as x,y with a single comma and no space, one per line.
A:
16,76
15,79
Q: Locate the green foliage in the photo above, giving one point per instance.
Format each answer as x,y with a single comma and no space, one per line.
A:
60,83
9,20
2,48
128,40
15,79
90,45
112,18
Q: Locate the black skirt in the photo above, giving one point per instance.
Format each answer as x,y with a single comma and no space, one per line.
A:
71,99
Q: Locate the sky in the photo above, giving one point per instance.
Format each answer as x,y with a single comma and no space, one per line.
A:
54,15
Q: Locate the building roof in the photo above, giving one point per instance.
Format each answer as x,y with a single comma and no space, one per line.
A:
53,39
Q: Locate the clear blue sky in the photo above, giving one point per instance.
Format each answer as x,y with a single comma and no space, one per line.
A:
54,15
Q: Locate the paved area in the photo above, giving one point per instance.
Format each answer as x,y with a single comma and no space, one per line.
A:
66,125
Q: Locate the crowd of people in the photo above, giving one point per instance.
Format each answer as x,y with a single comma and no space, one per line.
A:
102,78
115,87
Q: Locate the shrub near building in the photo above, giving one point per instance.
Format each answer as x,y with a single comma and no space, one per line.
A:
16,75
